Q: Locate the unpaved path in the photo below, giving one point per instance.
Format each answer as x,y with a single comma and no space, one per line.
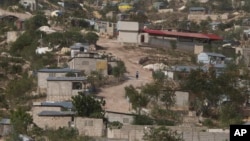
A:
115,96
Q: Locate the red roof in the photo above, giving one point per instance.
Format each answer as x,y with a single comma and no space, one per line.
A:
183,34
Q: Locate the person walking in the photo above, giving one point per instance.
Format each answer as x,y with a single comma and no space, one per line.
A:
137,74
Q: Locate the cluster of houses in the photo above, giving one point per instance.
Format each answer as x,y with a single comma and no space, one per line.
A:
59,85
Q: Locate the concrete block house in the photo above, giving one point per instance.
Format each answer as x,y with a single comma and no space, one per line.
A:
43,74
63,88
59,114
89,62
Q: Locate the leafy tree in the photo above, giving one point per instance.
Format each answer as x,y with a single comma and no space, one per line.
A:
35,22
119,70
229,114
162,134
143,120
24,41
138,100
139,17
16,90
158,76
164,116
87,106
91,37
20,120
152,90
168,97
96,79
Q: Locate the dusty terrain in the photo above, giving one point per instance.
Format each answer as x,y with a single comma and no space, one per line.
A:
115,96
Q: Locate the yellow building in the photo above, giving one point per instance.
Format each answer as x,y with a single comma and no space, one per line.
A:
123,7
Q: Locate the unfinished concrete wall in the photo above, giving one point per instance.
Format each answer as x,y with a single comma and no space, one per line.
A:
53,122
165,43
125,119
89,64
89,126
61,90
42,80
136,133
213,17
181,100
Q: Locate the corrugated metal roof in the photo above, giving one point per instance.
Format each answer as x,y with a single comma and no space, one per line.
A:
66,78
196,8
65,104
214,54
5,121
185,68
183,34
59,70
56,113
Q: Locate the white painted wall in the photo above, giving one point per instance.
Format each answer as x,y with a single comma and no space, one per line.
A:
203,58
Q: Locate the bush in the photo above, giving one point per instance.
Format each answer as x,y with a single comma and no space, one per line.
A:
115,125
208,123
142,120
165,122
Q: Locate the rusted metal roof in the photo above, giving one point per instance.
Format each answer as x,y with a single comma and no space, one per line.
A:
183,34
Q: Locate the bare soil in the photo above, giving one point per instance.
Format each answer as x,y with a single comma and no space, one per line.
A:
115,95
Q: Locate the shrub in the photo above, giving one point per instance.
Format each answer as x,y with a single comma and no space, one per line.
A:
142,120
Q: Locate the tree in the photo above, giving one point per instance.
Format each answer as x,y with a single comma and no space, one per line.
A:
91,37
143,120
229,114
162,134
96,79
158,76
138,100
168,97
87,106
152,90
35,22
119,70
20,120
16,90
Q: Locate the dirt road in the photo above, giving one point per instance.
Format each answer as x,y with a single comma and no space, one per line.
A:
115,96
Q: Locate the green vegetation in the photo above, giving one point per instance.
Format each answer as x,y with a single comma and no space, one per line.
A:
162,134
91,37
16,92
119,70
138,100
209,89
20,120
65,134
143,120
115,125
158,93
87,106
